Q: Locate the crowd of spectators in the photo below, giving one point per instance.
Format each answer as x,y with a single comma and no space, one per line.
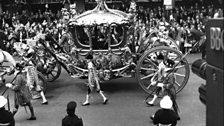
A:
179,21
17,26
31,23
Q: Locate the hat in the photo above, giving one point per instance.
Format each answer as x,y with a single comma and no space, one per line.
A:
71,105
3,101
166,102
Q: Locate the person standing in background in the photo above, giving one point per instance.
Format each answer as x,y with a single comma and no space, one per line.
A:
71,119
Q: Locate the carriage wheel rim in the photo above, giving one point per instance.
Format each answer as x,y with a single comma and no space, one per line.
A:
54,76
168,49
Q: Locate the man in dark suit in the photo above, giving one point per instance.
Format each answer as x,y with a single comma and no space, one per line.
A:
71,119
6,117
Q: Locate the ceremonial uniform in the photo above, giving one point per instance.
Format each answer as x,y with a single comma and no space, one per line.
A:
31,71
93,77
93,81
164,80
22,94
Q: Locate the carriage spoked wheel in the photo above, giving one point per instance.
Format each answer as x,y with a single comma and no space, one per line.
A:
49,67
149,65
53,72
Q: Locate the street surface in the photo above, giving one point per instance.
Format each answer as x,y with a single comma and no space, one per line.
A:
126,105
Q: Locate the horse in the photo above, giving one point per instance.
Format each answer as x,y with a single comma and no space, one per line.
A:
7,57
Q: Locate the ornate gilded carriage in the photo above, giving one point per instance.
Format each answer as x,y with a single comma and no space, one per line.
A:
108,35
101,32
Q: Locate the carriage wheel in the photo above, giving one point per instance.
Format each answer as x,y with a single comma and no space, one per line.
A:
53,72
53,69
148,66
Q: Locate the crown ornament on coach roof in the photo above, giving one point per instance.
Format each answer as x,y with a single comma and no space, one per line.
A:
100,15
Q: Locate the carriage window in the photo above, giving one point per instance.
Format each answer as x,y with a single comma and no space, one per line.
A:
117,35
82,35
99,36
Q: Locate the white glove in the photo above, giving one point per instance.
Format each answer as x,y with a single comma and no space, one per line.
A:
160,85
9,85
153,83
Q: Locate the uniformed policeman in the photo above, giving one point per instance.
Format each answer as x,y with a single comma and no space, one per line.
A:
6,117
165,115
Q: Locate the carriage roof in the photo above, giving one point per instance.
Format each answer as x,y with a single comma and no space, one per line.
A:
100,15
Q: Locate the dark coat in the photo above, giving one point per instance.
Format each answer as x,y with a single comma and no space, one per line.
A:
165,116
72,120
6,117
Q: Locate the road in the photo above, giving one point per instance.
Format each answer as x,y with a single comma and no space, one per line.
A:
126,105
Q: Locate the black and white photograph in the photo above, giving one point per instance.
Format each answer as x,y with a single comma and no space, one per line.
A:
111,63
